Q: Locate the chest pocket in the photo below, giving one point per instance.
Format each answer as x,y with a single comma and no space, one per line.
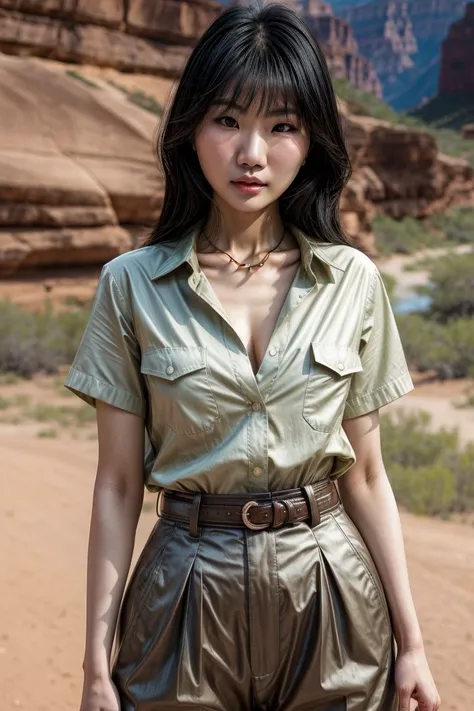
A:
180,391
329,377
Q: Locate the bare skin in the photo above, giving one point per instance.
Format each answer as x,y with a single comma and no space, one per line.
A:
260,293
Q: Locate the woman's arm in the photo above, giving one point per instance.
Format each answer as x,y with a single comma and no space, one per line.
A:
369,501
116,507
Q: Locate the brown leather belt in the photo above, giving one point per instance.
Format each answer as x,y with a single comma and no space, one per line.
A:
253,511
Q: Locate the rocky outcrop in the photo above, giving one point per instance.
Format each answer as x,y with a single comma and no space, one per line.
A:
77,171
340,47
337,40
397,172
457,57
78,180
129,35
402,39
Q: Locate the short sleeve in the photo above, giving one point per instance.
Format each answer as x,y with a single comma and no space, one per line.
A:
385,376
106,365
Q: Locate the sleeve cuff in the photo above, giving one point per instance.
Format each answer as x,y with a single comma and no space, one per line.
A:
378,398
91,389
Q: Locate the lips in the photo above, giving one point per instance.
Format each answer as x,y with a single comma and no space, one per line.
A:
246,182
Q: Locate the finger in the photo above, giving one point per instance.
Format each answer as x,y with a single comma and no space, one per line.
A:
404,696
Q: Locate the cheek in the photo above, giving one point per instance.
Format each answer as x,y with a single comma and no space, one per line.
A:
213,151
287,156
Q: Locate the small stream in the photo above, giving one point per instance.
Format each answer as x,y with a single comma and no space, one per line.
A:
412,304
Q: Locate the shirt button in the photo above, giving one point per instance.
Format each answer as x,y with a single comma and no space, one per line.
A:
340,366
170,369
273,351
257,471
256,407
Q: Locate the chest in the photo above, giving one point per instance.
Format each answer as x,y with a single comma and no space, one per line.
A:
253,303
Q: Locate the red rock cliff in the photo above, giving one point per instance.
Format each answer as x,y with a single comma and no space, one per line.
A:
457,56
130,35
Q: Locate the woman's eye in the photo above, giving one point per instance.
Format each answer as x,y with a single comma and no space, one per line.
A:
225,118
289,126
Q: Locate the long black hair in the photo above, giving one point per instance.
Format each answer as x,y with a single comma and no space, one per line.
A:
264,50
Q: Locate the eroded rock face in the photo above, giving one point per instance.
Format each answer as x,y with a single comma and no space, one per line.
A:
399,172
457,58
129,35
76,162
78,179
402,39
338,43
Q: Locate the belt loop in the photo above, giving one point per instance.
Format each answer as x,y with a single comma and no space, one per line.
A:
194,515
158,503
315,516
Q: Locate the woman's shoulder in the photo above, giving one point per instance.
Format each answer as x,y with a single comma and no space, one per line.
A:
346,258
139,263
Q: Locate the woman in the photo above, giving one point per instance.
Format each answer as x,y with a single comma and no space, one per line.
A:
252,345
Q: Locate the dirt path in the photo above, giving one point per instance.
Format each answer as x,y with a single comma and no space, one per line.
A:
45,498
408,280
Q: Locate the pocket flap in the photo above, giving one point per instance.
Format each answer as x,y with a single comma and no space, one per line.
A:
341,359
171,363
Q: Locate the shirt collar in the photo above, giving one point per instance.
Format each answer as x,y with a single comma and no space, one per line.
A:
184,251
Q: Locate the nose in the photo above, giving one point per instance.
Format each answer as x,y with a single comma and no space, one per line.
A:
252,150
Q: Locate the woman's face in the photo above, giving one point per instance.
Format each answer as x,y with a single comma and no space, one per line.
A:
232,145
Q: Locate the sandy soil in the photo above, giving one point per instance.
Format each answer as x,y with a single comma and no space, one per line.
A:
45,501
46,478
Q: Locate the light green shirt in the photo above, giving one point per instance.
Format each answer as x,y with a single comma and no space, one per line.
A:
159,344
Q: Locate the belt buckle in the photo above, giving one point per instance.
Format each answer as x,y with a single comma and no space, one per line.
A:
253,526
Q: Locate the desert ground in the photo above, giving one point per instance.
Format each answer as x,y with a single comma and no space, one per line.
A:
48,454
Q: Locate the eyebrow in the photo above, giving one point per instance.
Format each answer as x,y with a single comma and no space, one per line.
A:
275,112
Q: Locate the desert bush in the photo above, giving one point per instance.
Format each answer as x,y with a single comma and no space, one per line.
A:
33,342
448,349
451,287
404,236
457,224
139,98
429,471
80,77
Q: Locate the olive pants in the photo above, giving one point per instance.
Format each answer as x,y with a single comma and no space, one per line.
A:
288,619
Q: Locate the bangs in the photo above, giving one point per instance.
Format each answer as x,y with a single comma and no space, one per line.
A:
259,78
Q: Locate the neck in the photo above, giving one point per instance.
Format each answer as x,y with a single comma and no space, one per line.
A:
244,236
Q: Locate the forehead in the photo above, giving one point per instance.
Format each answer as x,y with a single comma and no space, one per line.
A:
270,101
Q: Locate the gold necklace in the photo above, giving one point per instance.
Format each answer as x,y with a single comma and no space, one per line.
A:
245,264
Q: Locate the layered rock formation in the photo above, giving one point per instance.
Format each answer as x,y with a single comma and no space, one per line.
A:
457,56
340,47
402,39
78,178
337,40
398,172
77,173
130,35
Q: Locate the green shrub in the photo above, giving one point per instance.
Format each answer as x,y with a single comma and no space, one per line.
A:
404,236
42,341
447,349
138,97
424,490
457,224
451,287
430,473
76,75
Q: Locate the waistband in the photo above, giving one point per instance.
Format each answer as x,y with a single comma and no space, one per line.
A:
253,511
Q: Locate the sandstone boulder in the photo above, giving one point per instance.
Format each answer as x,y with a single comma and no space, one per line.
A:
76,161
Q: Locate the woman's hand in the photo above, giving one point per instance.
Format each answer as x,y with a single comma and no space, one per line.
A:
100,694
414,681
